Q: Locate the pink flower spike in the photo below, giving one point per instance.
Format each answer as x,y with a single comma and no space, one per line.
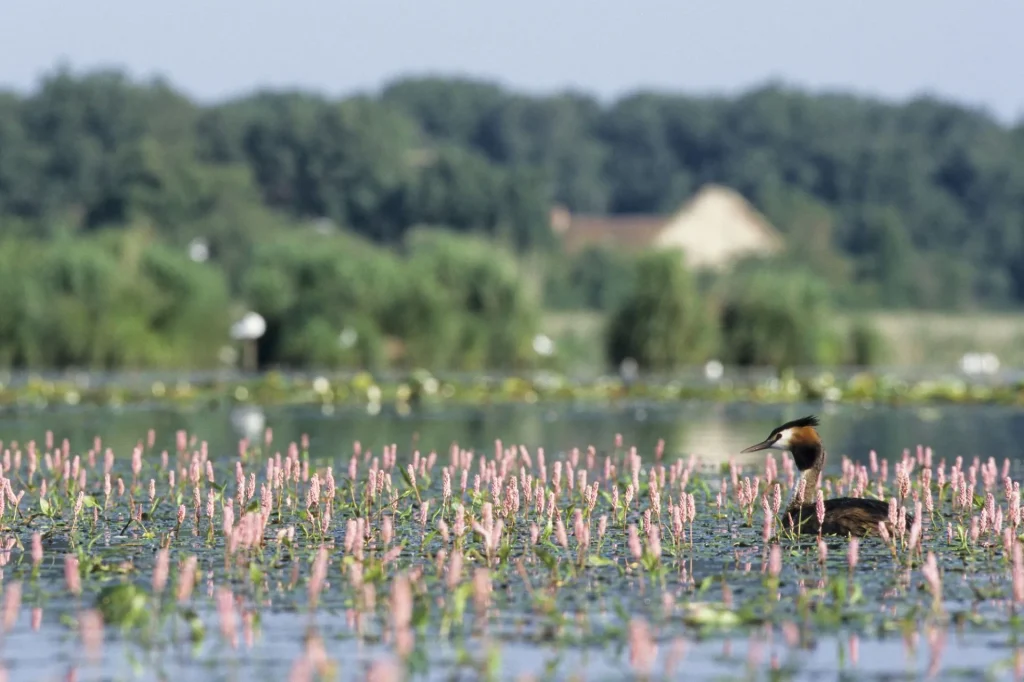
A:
37,549
775,561
71,577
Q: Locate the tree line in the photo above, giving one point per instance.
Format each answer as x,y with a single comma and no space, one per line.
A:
919,204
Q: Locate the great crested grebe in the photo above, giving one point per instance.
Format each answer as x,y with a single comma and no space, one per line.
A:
843,515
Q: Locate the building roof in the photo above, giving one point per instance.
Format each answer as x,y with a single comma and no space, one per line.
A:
633,232
716,225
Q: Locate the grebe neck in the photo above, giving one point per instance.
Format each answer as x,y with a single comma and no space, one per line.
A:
810,459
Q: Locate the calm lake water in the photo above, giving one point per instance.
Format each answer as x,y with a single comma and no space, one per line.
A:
713,432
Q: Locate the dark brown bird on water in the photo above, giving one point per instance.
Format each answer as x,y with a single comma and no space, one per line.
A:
843,515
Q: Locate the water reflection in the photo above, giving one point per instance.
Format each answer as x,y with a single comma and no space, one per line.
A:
249,421
713,431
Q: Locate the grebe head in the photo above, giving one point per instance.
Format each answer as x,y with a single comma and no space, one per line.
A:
798,437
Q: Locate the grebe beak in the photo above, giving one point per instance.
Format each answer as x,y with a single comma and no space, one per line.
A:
764,445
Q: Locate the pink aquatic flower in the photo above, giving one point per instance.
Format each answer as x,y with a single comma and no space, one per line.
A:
634,542
560,534
482,589
1018,574
318,576
90,624
161,569
775,561
12,605
930,572
379,671
454,570
72,579
187,578
902,480
226,615
654,541
401,613
642,648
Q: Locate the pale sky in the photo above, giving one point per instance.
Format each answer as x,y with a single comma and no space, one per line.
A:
972,52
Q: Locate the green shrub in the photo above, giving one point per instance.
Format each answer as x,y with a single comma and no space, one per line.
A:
662,322
596,278
482,286
865,344
778,319
309,287
107,301
450,301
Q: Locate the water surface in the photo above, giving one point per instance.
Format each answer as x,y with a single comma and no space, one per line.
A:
590,642
713,431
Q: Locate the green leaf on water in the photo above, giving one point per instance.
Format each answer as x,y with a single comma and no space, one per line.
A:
839,592
124,605
546,558
548,529
196,629
857,594
44,506
707,614
374,574
599,561
420,613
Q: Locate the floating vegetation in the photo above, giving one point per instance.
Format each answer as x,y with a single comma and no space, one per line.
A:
335,562
406,392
